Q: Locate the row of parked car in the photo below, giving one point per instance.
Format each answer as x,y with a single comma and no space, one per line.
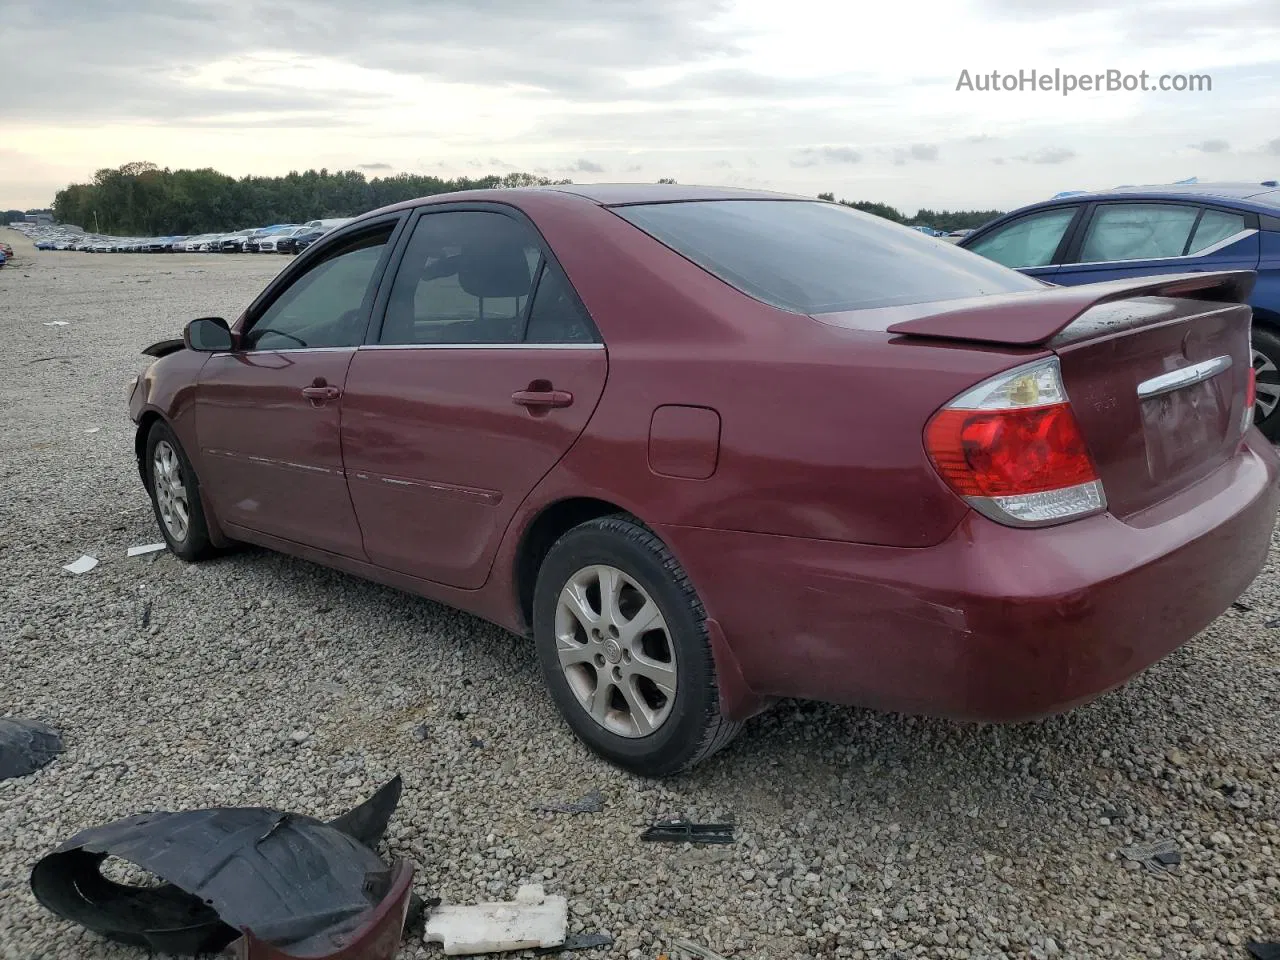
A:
277,238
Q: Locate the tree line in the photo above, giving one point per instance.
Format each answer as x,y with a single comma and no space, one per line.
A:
945,220
141,199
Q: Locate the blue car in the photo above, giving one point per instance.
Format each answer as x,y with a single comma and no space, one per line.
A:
1138,231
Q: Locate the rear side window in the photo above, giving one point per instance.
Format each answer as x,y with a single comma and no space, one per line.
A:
1214,227
1138,231
813,257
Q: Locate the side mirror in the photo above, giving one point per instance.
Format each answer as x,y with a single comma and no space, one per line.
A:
207,334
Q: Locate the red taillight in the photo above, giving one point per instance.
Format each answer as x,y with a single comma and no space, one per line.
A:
1000,453
1012,448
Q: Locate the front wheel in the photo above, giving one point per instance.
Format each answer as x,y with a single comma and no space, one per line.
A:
1266,368
622,642
175,496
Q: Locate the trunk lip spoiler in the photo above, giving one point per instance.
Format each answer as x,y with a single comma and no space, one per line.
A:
1033,318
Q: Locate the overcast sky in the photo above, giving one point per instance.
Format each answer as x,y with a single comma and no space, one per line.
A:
796,95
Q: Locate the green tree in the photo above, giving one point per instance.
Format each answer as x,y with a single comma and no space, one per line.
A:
143,199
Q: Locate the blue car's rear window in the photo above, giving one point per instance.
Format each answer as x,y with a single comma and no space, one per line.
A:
814,257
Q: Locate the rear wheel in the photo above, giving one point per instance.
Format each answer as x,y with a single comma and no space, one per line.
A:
1266,367
622,642
175,496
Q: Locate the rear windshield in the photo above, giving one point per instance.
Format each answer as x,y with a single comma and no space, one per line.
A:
812,257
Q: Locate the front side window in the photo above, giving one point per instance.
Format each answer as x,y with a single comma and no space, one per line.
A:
466,277
811,257
1138,231
325,306
1028,242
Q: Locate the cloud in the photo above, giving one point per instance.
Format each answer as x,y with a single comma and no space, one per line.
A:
1273,147
1211,146
998,161
812,156
1048,155
924,152
374,166
586,166
100,61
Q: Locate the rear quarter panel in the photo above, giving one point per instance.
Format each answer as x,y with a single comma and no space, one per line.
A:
821,427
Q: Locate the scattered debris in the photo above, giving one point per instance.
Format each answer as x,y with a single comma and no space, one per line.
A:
290,885
689,833
694,951
577,941
593,802
147,548
93,430
533,919
57,323
83,565
1263,951
1272,624
26,746
146,614
477,743
1159,857
1241,605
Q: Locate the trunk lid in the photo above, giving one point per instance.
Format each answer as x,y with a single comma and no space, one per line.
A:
1156,370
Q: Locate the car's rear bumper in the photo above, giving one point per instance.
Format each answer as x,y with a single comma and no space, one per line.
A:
995,623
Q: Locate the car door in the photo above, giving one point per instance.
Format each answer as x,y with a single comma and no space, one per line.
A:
268,414
1029,243
1140,238
484,371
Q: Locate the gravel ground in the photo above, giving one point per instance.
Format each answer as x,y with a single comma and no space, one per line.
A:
266,680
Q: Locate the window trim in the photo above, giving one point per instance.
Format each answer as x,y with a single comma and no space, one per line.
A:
1065,242
1250,228
306,262
378,314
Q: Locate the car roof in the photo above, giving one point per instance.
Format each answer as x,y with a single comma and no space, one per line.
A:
614,194
1266,193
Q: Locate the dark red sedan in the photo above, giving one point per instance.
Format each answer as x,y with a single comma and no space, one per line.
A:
709,448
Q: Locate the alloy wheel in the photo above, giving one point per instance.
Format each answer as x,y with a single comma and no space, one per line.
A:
170,490
616,651
1268,386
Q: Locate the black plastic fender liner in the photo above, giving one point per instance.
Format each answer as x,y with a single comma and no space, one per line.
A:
295,882
26,746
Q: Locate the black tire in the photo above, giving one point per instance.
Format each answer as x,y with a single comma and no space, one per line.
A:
194,546
1267,342
694,728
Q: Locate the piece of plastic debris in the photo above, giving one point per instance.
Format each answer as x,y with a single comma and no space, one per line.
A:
93,430
26,746
83,565
1263,951
277,884
1272,624
593,802
147,548
694,951
57,323
689,833
577,941
1159,857
532,920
